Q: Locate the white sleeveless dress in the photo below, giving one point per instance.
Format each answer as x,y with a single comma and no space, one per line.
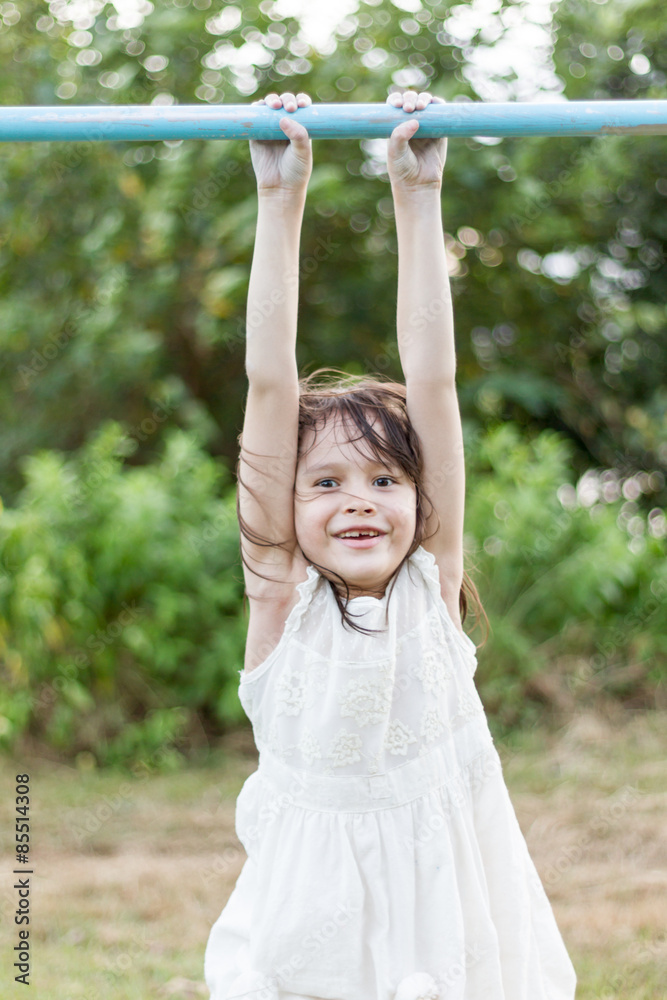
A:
385,860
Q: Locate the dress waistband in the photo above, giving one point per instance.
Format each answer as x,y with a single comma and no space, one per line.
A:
470,748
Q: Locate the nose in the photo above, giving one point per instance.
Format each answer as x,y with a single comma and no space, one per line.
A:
358,505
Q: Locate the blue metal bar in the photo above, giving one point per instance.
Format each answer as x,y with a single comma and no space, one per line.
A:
328,121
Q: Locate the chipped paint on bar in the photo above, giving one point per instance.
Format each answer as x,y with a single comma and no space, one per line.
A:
328,121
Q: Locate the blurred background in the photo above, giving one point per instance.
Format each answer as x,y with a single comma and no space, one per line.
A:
124,271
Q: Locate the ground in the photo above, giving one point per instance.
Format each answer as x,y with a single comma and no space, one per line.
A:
130,872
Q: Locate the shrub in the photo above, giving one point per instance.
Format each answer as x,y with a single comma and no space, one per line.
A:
120,599
573,585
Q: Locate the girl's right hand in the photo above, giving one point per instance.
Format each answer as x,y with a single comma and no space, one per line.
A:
283,165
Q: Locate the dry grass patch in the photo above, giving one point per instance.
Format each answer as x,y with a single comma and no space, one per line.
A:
131,873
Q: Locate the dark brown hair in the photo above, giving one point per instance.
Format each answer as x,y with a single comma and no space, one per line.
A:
357,401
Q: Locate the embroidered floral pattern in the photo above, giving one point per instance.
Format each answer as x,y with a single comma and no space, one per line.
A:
366,701
344,748
469,703
310,747
431,670
432,725
399,736
291,692
336,700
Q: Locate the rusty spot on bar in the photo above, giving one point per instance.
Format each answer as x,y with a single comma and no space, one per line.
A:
634,129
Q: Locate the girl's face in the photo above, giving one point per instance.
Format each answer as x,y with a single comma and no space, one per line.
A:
340,489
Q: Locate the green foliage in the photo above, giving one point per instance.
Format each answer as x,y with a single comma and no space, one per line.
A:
574,585
120,600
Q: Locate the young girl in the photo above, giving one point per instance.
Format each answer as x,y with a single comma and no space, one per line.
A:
385,861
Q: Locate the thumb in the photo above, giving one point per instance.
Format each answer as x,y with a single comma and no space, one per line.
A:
294,131
400,137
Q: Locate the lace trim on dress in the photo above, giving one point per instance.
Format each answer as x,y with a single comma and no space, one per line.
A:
306,589
425,561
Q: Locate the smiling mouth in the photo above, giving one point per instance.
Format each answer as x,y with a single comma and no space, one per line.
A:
360,534
360,539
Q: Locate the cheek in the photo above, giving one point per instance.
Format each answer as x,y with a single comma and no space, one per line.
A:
309,518
407,508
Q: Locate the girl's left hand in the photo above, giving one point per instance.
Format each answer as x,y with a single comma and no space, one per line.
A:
280,164
414,163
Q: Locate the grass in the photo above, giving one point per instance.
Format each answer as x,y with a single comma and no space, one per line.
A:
130,873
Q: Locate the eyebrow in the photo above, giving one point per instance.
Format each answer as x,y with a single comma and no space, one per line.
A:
336,467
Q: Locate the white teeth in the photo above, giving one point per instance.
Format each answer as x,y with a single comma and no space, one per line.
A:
359,534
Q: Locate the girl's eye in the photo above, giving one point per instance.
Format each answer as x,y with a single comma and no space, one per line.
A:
388,480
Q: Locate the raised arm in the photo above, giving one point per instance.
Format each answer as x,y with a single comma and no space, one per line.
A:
268,454
283,170
425,330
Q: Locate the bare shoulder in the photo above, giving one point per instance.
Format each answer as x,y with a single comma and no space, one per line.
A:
450,583
270,602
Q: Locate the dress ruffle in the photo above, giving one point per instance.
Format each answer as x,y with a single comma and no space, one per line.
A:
306,591
421,558
425,561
